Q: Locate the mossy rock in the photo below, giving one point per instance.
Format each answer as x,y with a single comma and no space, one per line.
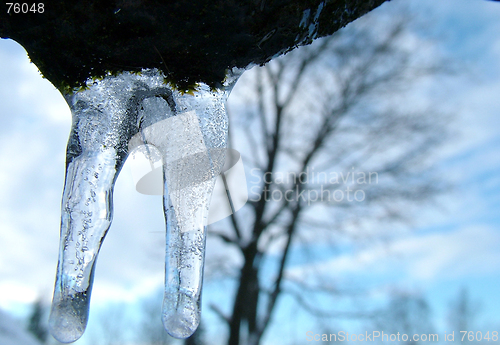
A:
190,41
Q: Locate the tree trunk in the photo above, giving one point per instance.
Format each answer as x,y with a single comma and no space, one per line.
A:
244,313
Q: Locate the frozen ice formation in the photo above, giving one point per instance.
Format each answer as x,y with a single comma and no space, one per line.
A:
189,134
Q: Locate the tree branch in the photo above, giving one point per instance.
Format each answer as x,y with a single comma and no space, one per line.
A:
220,314
299,298
277,284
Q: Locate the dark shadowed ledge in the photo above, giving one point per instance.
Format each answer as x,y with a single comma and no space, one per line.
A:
189,40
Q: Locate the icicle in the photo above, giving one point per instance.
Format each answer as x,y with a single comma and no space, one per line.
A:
104,120
193,162
190,132
192,144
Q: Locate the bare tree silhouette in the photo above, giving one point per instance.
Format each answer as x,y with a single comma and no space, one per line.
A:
462,317
407,316
334,150
37,321
151,331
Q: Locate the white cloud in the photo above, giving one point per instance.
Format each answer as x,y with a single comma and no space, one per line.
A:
469,251
422,258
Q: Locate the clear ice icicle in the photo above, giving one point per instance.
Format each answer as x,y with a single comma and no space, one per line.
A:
190,133
193,161
192,144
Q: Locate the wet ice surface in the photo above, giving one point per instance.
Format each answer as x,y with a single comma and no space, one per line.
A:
188,132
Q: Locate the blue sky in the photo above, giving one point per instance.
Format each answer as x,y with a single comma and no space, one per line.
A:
456,243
